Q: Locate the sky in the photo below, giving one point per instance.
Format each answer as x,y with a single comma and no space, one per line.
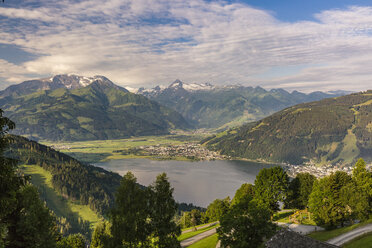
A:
290,44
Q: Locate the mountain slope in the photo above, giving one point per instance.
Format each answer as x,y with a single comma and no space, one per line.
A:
207,106
98,110
77,181
330,131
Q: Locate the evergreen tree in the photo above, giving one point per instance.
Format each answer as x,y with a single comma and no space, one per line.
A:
101,236
31,223
129,217
270,187
326,201
24,219
9,181
363,181
72,241
355,202
163,210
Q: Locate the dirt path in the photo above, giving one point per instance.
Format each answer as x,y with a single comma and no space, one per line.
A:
198,237
346,237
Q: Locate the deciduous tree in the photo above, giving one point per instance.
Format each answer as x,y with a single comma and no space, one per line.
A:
246,224
299,191
217,208
271,185
246,190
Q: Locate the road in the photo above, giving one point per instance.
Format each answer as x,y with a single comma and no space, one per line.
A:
198,237
301,229
201,227
346,237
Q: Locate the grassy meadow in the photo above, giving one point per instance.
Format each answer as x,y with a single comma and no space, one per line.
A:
42,179
104,150
329,234
187,235
208,242
362,241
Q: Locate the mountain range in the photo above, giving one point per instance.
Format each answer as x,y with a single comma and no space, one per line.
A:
70,107
331,131
208,106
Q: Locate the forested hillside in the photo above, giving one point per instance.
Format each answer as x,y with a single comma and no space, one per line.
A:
208,106
87,184
330,131
98,110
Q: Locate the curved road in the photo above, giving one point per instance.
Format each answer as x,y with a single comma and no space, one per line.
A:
346,237
198,237
201,227
338,241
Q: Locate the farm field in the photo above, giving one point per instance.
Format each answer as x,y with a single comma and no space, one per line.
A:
104,150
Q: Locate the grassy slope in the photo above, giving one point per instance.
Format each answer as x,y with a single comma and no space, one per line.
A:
326,235
363,241
60,206
284,218
209,242
102,150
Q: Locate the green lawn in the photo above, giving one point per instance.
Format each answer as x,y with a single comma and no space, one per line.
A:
60,206
326,235
103,150
194,233
208,242
360,242
284,218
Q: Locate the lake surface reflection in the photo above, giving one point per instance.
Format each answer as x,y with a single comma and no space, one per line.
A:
194,182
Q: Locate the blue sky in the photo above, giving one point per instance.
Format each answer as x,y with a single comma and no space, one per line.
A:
298,10
296,45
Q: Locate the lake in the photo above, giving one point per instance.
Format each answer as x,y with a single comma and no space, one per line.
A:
194,182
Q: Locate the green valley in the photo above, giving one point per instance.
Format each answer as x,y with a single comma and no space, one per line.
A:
103,150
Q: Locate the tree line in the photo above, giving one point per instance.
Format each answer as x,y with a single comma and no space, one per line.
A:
140,217
145,216
74,180
246,220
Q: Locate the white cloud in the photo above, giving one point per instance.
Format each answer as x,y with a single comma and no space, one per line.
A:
195,41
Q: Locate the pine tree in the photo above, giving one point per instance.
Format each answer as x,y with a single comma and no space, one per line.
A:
31,223
101,236
129,217
163,211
